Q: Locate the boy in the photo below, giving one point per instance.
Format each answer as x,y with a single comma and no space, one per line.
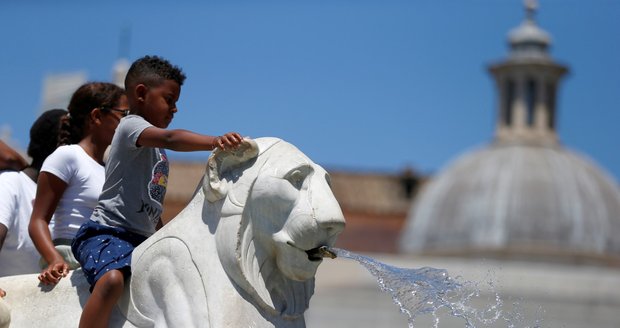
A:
135,183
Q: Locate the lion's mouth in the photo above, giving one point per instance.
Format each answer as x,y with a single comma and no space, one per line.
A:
315,254
318,253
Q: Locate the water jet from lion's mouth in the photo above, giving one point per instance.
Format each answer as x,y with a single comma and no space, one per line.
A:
431,291
318,253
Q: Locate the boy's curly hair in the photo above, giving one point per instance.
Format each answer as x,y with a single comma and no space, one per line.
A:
152,71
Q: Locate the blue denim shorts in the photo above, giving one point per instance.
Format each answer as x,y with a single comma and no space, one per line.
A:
101,248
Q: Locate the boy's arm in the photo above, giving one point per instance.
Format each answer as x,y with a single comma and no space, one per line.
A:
183,140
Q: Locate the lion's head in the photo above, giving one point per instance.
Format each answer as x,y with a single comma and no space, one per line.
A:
275,204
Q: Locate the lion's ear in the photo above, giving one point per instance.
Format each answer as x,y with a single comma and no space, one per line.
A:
225,167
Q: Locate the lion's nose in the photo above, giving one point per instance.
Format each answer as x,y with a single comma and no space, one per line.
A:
327,211
332,225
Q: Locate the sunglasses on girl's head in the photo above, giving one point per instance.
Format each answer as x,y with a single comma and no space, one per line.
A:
124,112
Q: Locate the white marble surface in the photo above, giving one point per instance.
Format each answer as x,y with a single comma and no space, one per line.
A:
234,257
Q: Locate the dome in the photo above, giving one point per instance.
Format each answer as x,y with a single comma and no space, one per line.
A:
528,32
517,200
528,40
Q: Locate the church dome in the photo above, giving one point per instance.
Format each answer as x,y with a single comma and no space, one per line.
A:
528,41
517,199
524,196
529,32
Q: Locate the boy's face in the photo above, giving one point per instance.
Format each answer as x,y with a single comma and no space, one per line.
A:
160,103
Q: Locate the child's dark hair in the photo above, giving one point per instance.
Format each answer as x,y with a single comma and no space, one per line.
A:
152,71
43,136
86,98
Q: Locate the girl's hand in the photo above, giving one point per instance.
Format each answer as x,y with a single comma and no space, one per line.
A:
54,272
2,293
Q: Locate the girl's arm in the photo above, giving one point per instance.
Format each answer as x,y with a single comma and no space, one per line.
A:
183,140
11,159
49,190
8,209
3,232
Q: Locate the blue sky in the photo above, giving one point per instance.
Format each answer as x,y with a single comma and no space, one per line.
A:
362,85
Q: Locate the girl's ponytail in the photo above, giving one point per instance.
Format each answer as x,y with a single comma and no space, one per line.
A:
71,129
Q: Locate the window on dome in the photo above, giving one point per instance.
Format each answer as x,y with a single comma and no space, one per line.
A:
530,98
550,103
509,96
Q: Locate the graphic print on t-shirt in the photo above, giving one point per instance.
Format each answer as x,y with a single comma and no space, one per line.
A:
159,179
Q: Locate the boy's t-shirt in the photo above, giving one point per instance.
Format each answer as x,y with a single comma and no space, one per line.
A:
135,181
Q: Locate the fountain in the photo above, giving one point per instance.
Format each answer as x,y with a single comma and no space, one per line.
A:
245,252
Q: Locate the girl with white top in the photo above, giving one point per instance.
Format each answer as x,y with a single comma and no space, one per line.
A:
72,177
17,190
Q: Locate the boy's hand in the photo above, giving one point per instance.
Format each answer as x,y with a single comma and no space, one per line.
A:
230,140
54,272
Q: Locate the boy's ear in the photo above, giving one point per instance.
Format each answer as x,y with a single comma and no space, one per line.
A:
140,91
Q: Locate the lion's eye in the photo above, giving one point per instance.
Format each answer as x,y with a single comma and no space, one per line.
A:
297,176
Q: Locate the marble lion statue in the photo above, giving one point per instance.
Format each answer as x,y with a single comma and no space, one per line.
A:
243,253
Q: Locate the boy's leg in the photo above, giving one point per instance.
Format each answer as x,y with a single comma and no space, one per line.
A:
108,289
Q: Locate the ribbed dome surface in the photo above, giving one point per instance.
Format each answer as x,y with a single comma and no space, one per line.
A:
528,32
517,199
